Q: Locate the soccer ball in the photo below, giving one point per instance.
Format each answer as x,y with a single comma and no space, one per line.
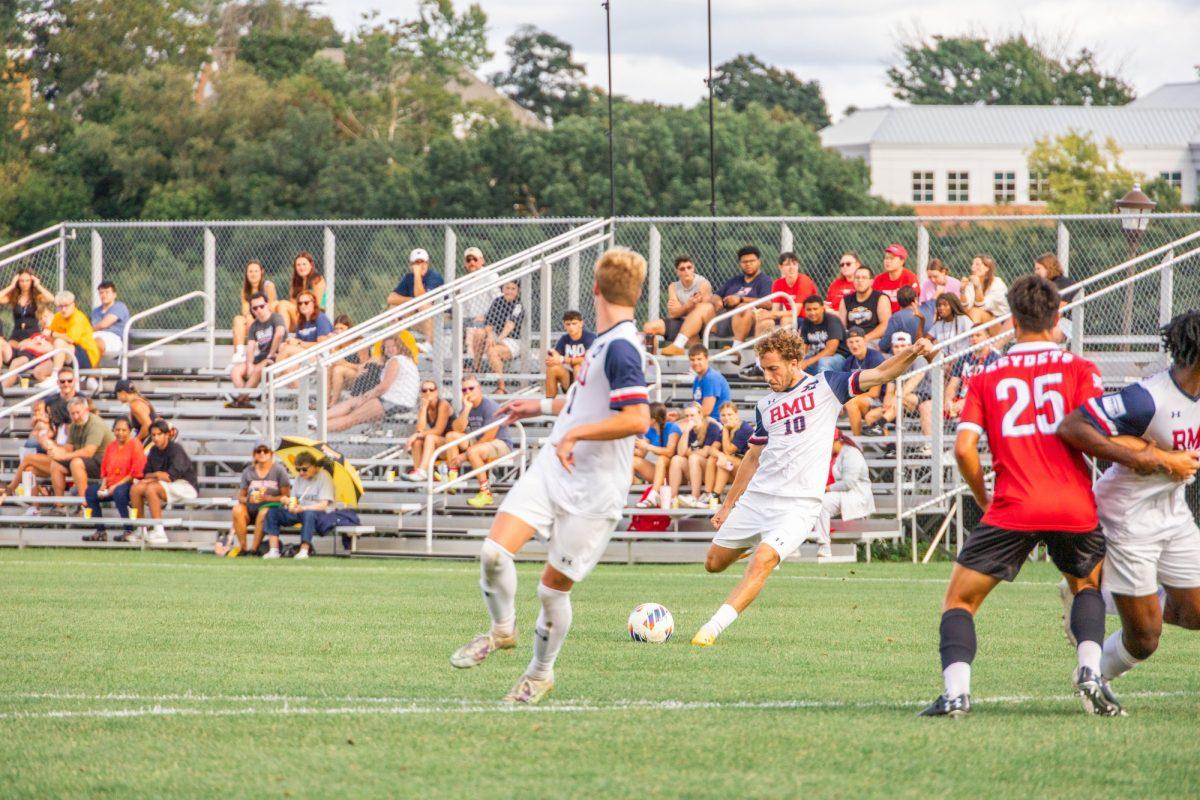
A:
651,622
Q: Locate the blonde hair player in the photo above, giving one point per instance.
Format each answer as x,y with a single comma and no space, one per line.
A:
574,492
776,497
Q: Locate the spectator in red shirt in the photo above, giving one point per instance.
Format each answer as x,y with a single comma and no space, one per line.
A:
793,282
894,274
844,283
124,462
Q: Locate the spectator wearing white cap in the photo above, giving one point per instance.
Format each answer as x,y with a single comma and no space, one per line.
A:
416,282
879,417
475,307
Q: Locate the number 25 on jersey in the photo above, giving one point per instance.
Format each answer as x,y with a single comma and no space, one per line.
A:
1047,400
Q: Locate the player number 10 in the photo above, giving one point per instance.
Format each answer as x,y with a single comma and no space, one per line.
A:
793,425
1016,392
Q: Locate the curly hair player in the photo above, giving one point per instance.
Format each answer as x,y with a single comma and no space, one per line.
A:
1151,535
776,497
574,493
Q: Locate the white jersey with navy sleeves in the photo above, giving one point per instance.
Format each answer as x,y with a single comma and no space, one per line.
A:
1157,410
610,378
796,428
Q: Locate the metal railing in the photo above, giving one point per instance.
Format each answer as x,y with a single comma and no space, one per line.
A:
127,354
432,489
740,308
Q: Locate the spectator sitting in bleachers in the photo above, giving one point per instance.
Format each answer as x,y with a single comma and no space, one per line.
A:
652,455
254,281
498,339
141,412
917,393
476,412
739,291
879,417
311,327
725,456
965,368
396,394
25,295
345,372
311,495
709,387
265,485
475,307
433,420
73,332
938,281
690,293
305,278
170,477
850,494
894,274
984,293
419,279
123,462
1049,267
824,338
108,321
866,307
951,321
36,344
51,418
843,284
32,458
863,357
697,433
266,336
905,319
567,355
795,283
80,457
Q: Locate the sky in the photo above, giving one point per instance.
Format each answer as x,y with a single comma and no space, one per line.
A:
660,53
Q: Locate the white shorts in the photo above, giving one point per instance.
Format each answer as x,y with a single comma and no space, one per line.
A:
782,523
1134,566
513,345
113,346
575,542
179,490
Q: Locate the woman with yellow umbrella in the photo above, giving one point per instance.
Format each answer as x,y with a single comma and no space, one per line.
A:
323,478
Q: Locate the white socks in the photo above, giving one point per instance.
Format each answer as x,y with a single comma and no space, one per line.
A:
1116,660
721,620
680,342
498,580
957,677
553,622
1089,655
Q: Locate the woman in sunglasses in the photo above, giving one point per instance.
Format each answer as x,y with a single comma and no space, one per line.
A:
312,327
433,419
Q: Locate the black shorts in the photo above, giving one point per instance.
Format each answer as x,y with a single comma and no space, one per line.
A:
672,326
90,465
1000,552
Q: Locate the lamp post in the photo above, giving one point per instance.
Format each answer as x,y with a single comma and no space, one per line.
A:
1134,210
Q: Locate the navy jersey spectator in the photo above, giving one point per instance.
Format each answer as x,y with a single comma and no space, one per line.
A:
726,455
824,336
419,280
905,319
502,328
862,357
567,355
739,290
709,387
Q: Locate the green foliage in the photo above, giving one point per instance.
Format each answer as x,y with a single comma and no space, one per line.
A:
1168,197
963,70
543,75
746,79
1082,176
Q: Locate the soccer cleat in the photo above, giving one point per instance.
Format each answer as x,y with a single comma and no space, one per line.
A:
704,637
1096,695
475,651
529,691
481,500
671,350
953,707
1068,600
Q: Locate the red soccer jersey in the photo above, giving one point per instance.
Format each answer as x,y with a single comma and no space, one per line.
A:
1019,401
837,290
889,286
803,289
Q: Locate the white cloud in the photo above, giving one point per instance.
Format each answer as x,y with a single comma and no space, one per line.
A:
659,48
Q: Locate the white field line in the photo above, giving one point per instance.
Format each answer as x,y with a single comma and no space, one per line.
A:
468,566
439,706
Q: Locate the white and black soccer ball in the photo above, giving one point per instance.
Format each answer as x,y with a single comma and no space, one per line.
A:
652,623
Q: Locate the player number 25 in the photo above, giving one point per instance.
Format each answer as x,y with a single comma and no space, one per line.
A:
1017,392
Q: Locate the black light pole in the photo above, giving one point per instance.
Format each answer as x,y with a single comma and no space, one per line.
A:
612,160
712,143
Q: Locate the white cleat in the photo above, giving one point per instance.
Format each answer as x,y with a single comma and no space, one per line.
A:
473,653
529,691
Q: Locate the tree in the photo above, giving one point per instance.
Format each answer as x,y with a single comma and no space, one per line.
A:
745,79
1082,177
964,70
542,75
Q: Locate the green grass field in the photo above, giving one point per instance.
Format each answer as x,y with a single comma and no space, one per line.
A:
178,675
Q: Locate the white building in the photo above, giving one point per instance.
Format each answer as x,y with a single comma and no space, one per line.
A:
947,159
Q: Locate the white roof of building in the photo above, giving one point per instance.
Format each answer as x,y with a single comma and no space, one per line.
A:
1171,95
1019,126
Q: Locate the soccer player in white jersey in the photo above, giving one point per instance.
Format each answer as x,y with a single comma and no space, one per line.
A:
776,497
1151,535
575,491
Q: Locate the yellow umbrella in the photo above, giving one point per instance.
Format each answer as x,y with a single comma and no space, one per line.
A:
347,486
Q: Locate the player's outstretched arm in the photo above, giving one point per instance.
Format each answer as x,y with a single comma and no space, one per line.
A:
894,367
517,410
741,480
1145,459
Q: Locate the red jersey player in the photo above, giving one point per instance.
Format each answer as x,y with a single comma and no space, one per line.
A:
1043,493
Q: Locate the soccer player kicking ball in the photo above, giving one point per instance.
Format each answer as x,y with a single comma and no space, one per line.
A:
1151,535
776,498
1043,493
575,491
